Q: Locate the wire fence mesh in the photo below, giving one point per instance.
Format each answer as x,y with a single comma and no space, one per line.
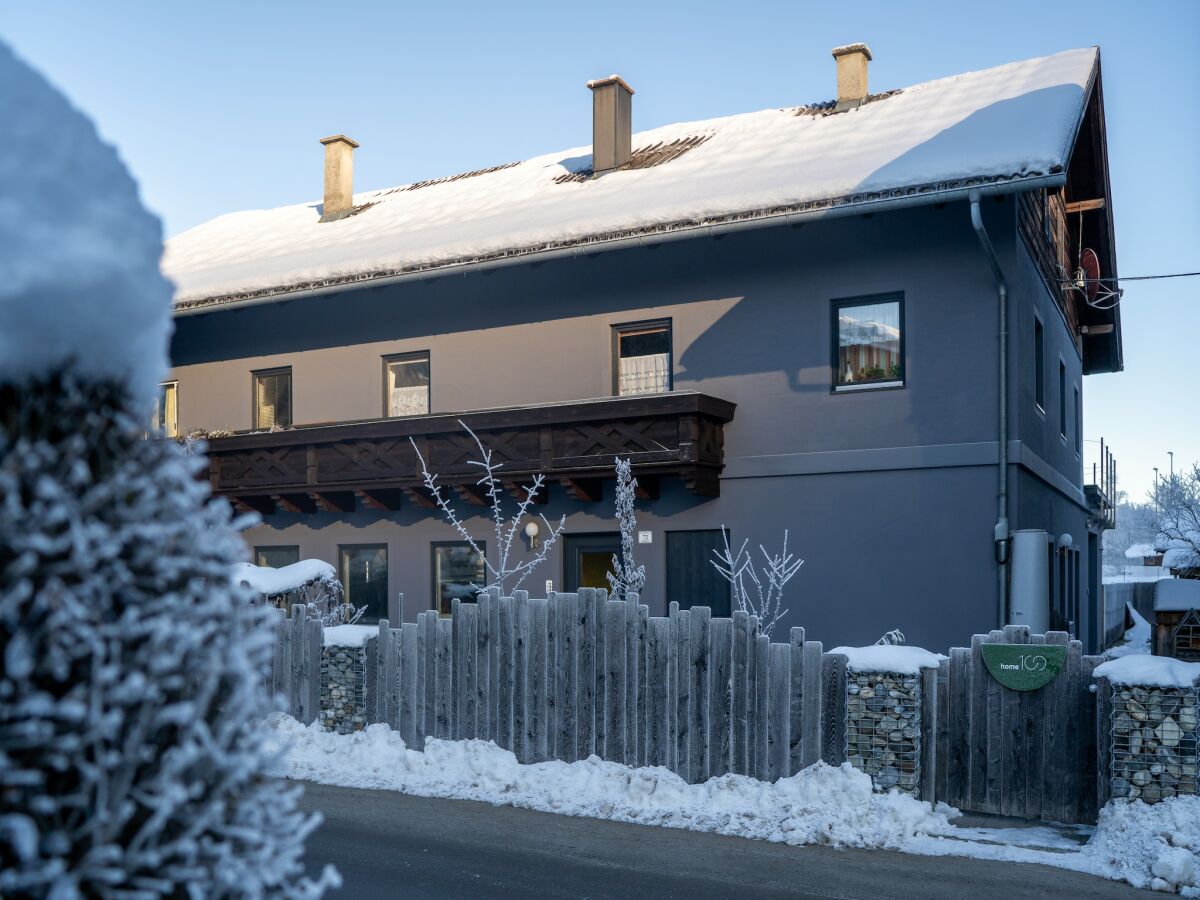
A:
883,728
1154,741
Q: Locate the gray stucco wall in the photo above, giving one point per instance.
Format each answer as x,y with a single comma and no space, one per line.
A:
889,495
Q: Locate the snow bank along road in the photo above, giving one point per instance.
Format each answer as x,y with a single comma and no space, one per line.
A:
389,844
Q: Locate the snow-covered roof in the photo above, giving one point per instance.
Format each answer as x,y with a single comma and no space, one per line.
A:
1181,558
1176,595
265,580
1140,551
1000,125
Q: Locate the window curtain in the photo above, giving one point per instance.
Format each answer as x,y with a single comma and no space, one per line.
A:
644,375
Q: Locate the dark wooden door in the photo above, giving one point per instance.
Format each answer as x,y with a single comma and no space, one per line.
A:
692,580
587,559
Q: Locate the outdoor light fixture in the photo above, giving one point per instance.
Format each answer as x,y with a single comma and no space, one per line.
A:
531,532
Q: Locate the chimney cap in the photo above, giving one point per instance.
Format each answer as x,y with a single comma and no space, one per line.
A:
334,138
611,79
847,49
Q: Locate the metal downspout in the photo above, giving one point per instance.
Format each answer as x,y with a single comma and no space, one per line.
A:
1000,535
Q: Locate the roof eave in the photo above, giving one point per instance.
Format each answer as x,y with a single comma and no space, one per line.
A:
820,209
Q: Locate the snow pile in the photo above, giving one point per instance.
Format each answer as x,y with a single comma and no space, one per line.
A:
265,580
899,660
79,278
1176,594
820,805
999,124
1137,638
348,635
1150,671
1149,845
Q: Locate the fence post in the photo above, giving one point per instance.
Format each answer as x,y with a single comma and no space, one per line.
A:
929,734
314,647
697,730
1103,742
833,690
812,718
720,690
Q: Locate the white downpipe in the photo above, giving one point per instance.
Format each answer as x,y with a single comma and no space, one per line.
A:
1000,534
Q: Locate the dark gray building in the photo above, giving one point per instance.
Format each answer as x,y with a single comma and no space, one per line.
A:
790,319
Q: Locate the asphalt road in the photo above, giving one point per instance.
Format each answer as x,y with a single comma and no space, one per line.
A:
388,844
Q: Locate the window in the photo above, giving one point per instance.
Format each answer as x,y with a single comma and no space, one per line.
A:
276,557
363,570
458,571
165,421
406,385
868,344
642,363
1062,399
1039,364
272,399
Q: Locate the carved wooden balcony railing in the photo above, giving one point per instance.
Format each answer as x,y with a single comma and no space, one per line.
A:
372,464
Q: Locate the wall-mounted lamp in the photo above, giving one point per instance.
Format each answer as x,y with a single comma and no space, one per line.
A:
531,532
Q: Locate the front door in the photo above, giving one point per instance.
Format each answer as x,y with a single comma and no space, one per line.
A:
587,559
692,580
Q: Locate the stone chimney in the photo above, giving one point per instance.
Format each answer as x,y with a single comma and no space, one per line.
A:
339,177
851,74
612,116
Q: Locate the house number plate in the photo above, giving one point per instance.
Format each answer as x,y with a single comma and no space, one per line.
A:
1024,667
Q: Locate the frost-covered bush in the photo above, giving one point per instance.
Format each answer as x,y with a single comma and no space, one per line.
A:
131,699
132,762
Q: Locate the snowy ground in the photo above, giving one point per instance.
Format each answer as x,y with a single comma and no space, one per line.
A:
1146,846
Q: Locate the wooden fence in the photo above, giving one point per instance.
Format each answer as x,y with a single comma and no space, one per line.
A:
574,675
1031,754
579,674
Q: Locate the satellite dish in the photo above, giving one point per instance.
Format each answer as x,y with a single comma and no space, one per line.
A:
1089,269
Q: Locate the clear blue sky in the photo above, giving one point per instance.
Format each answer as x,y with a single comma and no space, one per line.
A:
218,106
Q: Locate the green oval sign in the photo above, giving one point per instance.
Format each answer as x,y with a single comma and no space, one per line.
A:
1024,667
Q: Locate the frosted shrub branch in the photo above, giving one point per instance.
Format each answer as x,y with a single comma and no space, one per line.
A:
766,602
1177,501
626,578
506,529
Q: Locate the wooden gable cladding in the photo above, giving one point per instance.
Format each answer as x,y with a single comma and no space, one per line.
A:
373,465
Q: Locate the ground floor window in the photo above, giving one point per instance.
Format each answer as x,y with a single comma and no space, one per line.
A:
364,575
868,344
276,557
692,579
459,571
587,559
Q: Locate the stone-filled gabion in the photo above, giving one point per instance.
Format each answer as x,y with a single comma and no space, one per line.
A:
883,728
1154,732
343,688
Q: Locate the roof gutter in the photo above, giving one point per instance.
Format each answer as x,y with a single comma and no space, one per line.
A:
864,207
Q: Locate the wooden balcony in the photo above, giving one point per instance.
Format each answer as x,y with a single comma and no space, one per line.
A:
372,464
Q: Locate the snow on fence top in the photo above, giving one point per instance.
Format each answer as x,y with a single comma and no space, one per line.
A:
265,580
1176,594
79,254
997,125
1150,671
347,635
898,660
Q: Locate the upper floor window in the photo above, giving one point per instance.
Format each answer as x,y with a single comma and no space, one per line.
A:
1062,399
406,384
1078,423
165,421
1039,364
272,399
642,363
868,344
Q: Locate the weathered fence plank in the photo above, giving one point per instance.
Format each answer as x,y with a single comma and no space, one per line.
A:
779,658
282,663
408,685
505,654
555,681
495,672
390,639
657,710
567,676
538,696
444,693
520,674
631,674
585,679
795,700
833,726
483,664
599,628
929,735
762,707
752,697
1103,738
698,674
812,718
469,696
614,700
429,664
739,694
1012,771
719,697
643,689
681,686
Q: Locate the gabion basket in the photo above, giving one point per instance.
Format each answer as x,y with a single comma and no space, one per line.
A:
883,728
1154,732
